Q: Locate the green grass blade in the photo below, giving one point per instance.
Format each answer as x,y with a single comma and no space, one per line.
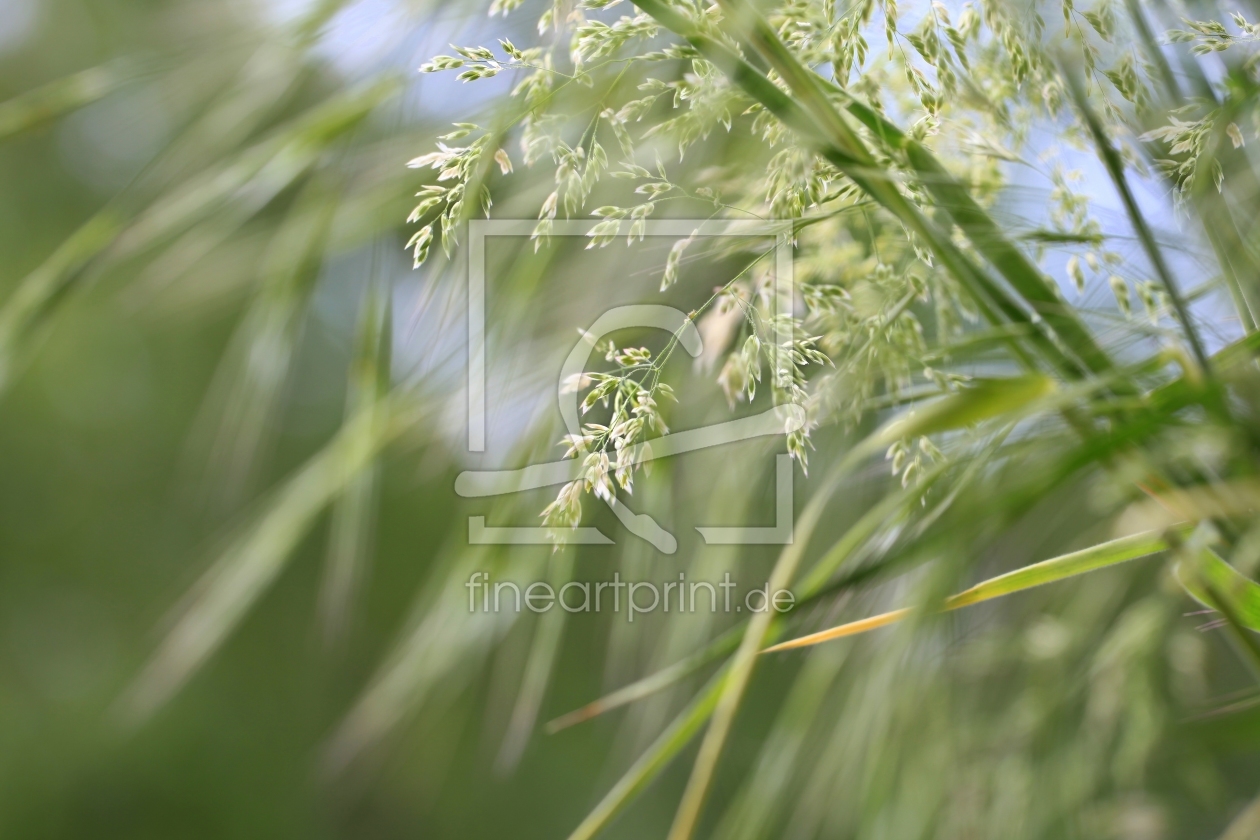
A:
353,512
1219,586
986,399
1214,583
252,562
862,530
1152,51
1062,567
1246,825
724,644
538,665
260,172
989,399
744,661
1115,170
992,302
58,98
1014,266
1048,571
39,292
248,389
667,745
820,582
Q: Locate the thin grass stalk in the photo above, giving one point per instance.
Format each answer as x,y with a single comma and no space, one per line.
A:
543,650
1115,170
253,561
352,520
992,302
668,744
721,646
1151,48
745,658
952,197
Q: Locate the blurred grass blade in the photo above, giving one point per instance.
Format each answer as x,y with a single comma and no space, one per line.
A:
721,646
1048,571
986,399
667,745
989,399
1219,586
1152,51
1014,266
728,641
58,98
38,293
542,656
1201,502
252,562
1212,582
888,512
256,368
745,658
267,80
752,810
719,698
443,637
353,511
880,515
1245,826
1115,170
256,175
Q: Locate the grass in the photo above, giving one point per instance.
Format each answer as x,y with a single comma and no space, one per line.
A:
1019,424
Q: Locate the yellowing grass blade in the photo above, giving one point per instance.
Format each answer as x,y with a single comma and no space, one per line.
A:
1047,571
853,628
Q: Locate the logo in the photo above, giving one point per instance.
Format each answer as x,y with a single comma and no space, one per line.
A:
779,420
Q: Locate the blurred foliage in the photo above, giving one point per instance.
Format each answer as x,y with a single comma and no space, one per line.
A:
234,587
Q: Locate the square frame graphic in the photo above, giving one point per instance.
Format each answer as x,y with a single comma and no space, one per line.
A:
498,482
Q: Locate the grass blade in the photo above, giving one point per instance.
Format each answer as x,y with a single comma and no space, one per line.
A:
649,685
1115,170
1048,571
58,98
542,656
992,301
1246,825
968,407
351,534
986,399
39,292
254,560
1036,290
668,744
252,376
745,658
1215,584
